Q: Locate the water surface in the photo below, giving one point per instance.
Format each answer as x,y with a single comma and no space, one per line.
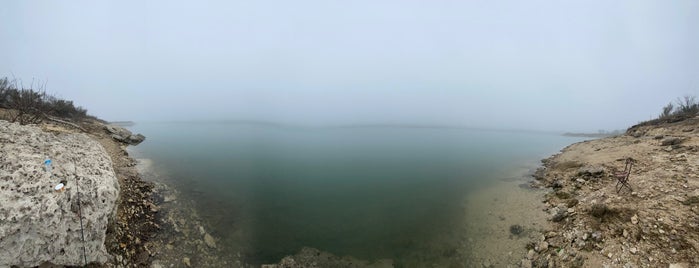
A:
369,192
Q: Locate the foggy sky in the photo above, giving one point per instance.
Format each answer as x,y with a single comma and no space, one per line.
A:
548,65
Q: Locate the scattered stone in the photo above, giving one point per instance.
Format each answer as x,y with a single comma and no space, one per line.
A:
557,184
597,236
598,210
691,200
671,141
169,198
516,229
633,250
572,202
578,262
543,246
634,219
559,216
156,264
209,240
526,263
186,262
562,195
679,265
591,171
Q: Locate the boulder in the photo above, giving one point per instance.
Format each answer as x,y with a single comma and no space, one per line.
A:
121,134
671,141
40,225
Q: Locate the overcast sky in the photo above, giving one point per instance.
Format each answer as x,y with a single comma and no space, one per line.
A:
548,65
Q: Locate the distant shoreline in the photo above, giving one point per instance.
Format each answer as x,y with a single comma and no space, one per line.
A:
590,135
122,123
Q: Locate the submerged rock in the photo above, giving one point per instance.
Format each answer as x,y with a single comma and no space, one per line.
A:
310,257
209,240
39,224
516,229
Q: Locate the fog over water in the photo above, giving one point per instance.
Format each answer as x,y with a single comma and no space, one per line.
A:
547,65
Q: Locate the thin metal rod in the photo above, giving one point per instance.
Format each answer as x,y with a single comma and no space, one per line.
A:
80,213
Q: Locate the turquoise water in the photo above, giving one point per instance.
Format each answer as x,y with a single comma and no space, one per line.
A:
369,192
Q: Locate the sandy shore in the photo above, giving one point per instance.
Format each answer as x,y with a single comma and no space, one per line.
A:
653,224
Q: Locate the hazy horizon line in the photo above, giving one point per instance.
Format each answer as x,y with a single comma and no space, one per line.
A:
271,123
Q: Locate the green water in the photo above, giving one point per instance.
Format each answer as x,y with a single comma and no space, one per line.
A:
368,192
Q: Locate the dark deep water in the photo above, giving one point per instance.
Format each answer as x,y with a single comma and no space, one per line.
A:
369,192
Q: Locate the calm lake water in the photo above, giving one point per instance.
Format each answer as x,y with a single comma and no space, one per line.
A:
369,192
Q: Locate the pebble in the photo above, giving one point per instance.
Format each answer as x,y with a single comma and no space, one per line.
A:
633,250
156,264
634,219
186,262
209,240
526,263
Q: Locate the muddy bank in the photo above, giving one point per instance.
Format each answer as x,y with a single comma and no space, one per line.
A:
652,223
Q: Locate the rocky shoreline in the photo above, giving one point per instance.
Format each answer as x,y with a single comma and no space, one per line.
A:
131,233
138,227
653,224
153,227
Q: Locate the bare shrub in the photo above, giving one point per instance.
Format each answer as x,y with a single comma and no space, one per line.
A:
667,111
687,105
32,106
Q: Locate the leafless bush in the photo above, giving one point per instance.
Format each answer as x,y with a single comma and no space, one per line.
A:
32,106
667,110
687,105
684,107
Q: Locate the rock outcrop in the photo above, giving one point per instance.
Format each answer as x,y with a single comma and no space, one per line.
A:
124,135
39,225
